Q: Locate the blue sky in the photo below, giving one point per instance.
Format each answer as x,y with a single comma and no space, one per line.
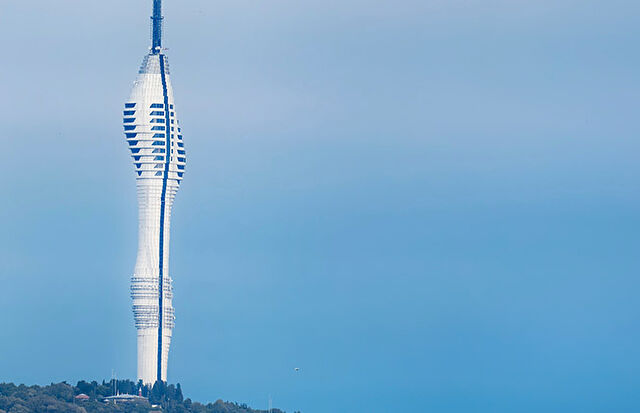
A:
425,205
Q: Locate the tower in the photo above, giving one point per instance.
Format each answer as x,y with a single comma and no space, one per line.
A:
154,137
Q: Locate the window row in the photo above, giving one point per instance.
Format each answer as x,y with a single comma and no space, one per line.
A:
160,173
153,105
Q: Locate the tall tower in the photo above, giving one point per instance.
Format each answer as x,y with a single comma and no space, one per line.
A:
155,140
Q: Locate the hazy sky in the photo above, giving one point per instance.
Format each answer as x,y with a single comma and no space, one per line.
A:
428,206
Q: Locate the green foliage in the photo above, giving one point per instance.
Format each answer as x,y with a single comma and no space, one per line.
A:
60,398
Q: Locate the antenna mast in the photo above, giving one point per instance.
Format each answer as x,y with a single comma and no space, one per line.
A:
156,19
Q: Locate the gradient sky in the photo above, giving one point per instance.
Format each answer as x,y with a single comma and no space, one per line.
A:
428,206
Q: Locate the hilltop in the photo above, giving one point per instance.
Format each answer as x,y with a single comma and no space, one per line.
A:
88,397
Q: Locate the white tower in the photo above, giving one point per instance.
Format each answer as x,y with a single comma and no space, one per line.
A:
155,140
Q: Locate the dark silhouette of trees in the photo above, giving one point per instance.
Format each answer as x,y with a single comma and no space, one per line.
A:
61,398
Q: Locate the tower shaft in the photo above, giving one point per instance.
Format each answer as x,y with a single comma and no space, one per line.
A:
154,137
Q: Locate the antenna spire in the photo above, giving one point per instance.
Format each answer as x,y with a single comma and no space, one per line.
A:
157,26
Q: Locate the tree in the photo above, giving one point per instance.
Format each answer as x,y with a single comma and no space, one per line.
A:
158,392
60,398
87,388
60,391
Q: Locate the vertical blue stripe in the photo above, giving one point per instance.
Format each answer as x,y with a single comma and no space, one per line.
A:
162,214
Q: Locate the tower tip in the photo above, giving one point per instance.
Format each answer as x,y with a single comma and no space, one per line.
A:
156,18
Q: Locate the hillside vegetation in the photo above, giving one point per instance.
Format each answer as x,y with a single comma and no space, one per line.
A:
61,398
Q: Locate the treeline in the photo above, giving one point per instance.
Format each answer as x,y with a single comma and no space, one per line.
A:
61,398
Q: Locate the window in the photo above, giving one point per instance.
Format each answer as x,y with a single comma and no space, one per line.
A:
133,143
158,128
181,167
129,105
129,120
158,173
129,112
179,136
157,120
179,130
170,106
181,159
137,158
159,165
180,174
158,150
129,127
138,165
139,173
159,158
157,143
157,106
131,135
158,135
180,145
181,152
172,121
157,113
135,150
171,113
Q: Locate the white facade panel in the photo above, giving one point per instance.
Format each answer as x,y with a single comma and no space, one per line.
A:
154,137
